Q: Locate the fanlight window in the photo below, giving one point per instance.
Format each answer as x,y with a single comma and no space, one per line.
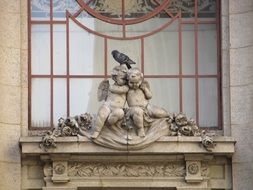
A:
174,42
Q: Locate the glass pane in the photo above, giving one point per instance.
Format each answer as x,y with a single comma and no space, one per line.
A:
185,6
132,48
136,9
188,50
60,99
146,26
59,37
86,52
109,8
165,93
208,103
40,9
40,49
40,102
207,45
60,7
100,26
189,98
83,96
161,55
206,9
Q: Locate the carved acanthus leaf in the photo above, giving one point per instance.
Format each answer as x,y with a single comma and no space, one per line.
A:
126,169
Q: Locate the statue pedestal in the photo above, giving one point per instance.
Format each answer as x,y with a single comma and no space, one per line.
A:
172,162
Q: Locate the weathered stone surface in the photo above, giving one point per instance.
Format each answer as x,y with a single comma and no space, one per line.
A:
10,6
10,176
225,69
224,7
236,7
226,111
241,66
241,40
9,135
24,107
163,145
241,104
24,68
24,31
225,33
241,26
243,134
23,7
10,33
10,66
10,111
242,177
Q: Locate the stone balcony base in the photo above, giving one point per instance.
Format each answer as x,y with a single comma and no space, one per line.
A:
171,162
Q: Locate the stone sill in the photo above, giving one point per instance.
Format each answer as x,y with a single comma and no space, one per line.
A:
165,145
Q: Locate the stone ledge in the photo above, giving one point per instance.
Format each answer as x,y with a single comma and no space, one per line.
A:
171,162
165,145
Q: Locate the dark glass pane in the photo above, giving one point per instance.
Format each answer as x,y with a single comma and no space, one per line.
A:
206,8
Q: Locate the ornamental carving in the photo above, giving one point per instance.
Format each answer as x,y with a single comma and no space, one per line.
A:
193,168
204,169
88,169
59,169
126,118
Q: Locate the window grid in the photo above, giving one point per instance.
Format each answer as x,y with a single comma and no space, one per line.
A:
195,22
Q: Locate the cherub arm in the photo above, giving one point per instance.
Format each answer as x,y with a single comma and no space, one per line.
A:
119,89
146,89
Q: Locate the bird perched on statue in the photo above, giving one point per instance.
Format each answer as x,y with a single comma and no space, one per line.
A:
122,59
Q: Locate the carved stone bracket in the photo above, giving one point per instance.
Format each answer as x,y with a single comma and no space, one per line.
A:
196,167
56,168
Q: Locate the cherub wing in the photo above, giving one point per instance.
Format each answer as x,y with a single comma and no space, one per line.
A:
103,89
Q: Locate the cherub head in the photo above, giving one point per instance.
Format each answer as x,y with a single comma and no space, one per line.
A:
134,77
119,75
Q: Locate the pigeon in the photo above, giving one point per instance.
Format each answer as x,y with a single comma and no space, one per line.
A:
122,59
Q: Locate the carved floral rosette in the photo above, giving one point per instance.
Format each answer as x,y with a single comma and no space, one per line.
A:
179,125
71,126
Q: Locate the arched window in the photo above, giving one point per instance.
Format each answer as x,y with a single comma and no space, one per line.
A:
176,43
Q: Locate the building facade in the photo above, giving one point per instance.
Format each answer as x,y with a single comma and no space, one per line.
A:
24,165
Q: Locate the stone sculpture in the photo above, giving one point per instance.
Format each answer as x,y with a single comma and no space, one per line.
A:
115,98
126,117
138,98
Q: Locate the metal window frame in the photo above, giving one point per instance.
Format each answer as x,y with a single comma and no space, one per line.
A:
123,22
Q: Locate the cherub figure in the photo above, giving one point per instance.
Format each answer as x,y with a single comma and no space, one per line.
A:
111,112
138,98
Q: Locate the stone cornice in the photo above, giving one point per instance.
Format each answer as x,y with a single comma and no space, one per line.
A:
165,145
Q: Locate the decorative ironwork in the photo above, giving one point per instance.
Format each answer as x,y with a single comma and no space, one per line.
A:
133,9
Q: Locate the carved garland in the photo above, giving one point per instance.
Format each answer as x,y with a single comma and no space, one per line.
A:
89,169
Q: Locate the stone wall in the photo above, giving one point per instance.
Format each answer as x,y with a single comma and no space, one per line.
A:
241,89
10,96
